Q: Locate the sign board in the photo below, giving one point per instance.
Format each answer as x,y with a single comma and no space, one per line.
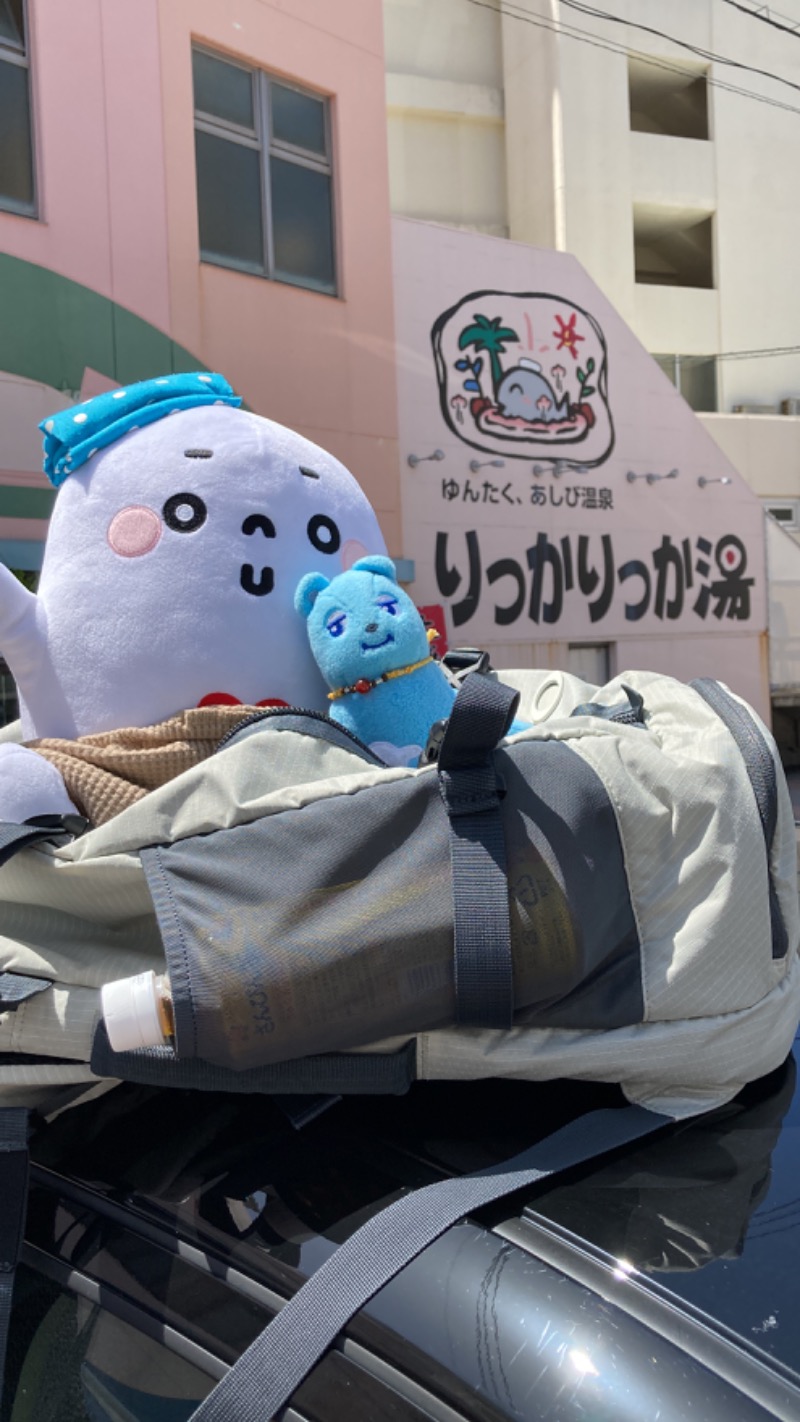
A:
559,487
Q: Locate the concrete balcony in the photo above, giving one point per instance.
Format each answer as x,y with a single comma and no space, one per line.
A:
764,448
677,174
677,318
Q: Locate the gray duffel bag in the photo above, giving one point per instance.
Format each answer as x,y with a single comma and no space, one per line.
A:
610,895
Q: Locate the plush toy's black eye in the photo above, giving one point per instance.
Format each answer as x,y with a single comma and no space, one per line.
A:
184,513
324,534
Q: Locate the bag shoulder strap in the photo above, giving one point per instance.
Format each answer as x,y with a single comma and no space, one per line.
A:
14,1197
40,829
472,793
265,1376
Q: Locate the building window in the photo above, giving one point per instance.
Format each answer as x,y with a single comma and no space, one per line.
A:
785,512
9,705
694,376
667,98
264,177
17,191
672,251
590,660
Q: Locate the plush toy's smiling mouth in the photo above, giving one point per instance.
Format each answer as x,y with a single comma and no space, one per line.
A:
373,646
258,586
265,582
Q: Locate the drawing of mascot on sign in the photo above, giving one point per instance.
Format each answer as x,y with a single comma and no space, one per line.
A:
525,375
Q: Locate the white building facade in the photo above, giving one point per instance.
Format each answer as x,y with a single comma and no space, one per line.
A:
618,133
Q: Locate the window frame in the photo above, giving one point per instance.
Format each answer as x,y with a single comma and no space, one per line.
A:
636,62
790,506
21,59
683,363
605,651
262,140
9,696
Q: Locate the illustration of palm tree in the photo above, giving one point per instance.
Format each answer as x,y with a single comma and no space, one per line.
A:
489,336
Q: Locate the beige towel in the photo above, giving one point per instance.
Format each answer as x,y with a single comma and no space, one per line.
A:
106,772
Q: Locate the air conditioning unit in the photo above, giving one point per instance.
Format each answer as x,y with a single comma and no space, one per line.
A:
755,409
791,406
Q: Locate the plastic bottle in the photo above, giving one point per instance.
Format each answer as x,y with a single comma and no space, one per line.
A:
138,1012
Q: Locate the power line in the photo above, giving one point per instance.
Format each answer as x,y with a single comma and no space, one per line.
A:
596,42
708,54
765,19
759,353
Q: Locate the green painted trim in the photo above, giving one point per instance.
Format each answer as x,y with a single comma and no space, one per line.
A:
52,328
22,502
24,553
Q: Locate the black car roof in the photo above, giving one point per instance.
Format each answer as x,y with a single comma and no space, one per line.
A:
706,1212
711,1213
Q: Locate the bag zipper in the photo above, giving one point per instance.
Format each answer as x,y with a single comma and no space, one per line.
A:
267,713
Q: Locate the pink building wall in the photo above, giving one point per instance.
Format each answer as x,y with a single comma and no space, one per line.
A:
96,80
323,365
113,113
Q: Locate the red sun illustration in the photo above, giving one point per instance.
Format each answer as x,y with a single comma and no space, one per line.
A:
567,335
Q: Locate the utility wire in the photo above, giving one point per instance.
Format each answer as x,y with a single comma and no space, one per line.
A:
585,37
760,353
765,19
708,54
596,42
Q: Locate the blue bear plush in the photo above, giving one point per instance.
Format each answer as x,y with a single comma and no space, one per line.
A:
372,648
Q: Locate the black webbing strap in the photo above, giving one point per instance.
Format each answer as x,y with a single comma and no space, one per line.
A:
482,712
13,1199
330,1073
761,773
15,989
16,837
40,829
627,713
269,1371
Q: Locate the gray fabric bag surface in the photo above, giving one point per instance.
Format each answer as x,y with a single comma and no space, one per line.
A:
609,895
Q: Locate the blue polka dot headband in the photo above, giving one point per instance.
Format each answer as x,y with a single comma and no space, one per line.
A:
74,435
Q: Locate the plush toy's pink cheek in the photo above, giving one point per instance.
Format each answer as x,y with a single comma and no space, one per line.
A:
352,550
134,531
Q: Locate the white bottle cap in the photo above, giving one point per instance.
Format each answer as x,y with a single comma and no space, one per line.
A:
130,1010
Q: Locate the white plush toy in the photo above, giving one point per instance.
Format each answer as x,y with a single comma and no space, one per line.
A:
181,529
